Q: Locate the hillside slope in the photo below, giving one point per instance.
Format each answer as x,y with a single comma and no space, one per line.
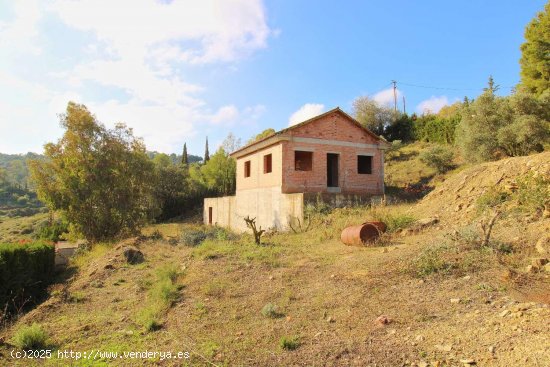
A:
425,296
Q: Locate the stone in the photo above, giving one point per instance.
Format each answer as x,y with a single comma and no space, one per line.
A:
383,320
521,307
547,268
492,349
423,364
419,338
539,262
531,269
427,222
133,255
455,300
468,361
543,245
444,348
504,313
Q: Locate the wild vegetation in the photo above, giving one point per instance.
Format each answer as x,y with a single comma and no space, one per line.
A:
467,212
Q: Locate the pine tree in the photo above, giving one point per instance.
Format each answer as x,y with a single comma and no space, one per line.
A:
492,86
206,153
535,63
184,157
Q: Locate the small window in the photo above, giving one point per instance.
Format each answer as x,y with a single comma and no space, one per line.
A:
267,163
247,169
303,161
364,164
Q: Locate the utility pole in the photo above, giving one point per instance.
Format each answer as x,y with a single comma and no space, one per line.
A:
404,109
394,95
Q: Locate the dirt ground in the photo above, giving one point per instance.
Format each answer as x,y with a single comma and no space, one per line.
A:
342,306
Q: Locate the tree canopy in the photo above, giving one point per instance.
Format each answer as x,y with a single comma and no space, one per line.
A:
101,179
535,54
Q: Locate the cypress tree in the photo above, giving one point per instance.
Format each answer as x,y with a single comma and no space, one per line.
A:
206,153
184,157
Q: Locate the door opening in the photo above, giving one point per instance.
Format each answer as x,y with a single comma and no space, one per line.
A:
209,215
332,170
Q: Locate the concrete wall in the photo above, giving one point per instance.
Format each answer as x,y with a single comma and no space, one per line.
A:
270,207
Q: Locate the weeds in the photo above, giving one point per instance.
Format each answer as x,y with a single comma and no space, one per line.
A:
198,236
215,288
430,261
162,295
492,198
76,297
394,221
270,310
289,342
533,193
31,337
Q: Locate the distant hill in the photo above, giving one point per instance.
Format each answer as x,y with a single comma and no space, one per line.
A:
176,158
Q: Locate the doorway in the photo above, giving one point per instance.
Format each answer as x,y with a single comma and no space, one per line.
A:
209,215
332,170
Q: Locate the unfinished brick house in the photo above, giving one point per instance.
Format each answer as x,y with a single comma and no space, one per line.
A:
330,156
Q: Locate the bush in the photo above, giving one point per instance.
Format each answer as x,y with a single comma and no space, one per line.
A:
492,198
533,193
289,343
31,337
439,157
394,222
193,238
52,232
25,272
430,261
270,310
198,236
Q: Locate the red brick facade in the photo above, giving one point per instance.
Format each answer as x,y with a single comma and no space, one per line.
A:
334,133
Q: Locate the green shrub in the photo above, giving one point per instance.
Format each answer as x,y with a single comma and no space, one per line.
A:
439,157
193,238
52,232
198,236
533,193
25,272
493,197
289,343
31,337
430,261
270,310
394,222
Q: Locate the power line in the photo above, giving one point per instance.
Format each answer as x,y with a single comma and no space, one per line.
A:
446,88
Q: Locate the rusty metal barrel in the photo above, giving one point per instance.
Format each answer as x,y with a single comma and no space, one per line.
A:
362,234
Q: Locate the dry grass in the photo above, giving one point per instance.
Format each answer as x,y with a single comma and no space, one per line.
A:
438,289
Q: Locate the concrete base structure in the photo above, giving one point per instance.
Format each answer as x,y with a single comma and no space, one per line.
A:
271,208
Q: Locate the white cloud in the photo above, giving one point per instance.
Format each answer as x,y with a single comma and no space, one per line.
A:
386,98
433,104
133,56
306,112
22,32
214,30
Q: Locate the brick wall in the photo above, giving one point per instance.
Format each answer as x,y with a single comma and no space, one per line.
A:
332,134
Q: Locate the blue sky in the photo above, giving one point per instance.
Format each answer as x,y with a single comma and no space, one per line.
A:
177,71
